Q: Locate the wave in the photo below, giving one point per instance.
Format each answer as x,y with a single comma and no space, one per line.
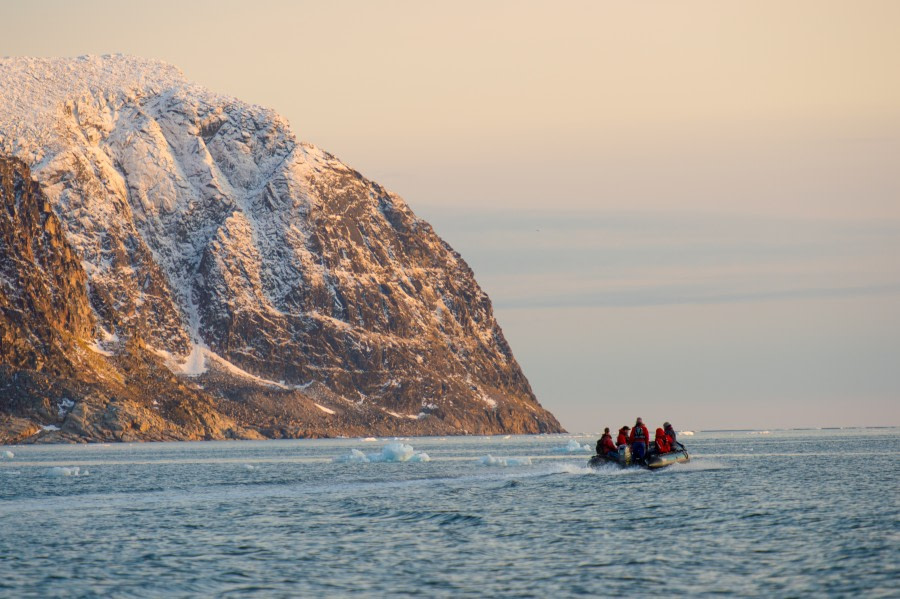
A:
440,517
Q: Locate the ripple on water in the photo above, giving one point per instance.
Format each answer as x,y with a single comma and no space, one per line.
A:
745,523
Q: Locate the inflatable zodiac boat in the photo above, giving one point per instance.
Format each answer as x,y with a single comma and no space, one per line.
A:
651,461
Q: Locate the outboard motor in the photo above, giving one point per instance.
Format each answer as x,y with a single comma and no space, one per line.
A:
624,455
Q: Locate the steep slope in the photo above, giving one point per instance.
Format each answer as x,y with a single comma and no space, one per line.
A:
303,298
51,382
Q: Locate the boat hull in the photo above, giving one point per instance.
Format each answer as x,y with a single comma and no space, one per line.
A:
667,459
652,462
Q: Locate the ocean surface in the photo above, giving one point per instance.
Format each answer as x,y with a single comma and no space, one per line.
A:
772,514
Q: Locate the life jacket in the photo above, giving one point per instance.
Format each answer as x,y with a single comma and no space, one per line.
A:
622,439
639,434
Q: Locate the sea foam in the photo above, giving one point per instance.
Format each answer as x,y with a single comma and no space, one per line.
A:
490,460
696,465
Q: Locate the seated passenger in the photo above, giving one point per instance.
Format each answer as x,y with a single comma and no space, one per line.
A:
670,432
605,445
622,439
663,445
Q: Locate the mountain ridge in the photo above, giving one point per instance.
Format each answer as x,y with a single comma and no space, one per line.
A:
254,266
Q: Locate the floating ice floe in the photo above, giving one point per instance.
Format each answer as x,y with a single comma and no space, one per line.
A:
572,446
57,471
250,467
393,452
490,460
7,454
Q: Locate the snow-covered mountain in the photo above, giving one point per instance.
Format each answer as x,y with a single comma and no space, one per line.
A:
285,292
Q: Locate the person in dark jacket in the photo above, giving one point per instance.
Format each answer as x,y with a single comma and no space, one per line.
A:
670,432
605,445
639,439
622,439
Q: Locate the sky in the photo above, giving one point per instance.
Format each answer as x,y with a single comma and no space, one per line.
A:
687,211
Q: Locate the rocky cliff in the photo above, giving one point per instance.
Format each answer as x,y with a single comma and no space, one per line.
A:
177,265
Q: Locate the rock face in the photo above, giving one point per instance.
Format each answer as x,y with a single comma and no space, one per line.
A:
210,276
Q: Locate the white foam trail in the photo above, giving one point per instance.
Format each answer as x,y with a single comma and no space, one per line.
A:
581,469
571,469
697,464
490,460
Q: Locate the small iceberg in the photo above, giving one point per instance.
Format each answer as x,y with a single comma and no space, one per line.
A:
392,452
7,454
58,471
490,460
572,446
355,456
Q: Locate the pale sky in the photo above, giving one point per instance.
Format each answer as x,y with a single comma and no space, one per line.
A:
684,210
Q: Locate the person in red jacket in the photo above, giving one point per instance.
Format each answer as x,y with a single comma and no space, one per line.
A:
639,439
605,445
663,444
622,439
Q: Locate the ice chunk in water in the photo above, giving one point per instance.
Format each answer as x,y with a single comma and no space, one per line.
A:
572,446
392,452
355,455
7,454
66,471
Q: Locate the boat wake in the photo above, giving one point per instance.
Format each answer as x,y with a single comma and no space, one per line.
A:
698,465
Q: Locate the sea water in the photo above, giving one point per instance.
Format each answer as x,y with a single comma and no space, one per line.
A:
777,514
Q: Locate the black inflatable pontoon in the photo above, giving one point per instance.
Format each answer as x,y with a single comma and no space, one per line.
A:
652,461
